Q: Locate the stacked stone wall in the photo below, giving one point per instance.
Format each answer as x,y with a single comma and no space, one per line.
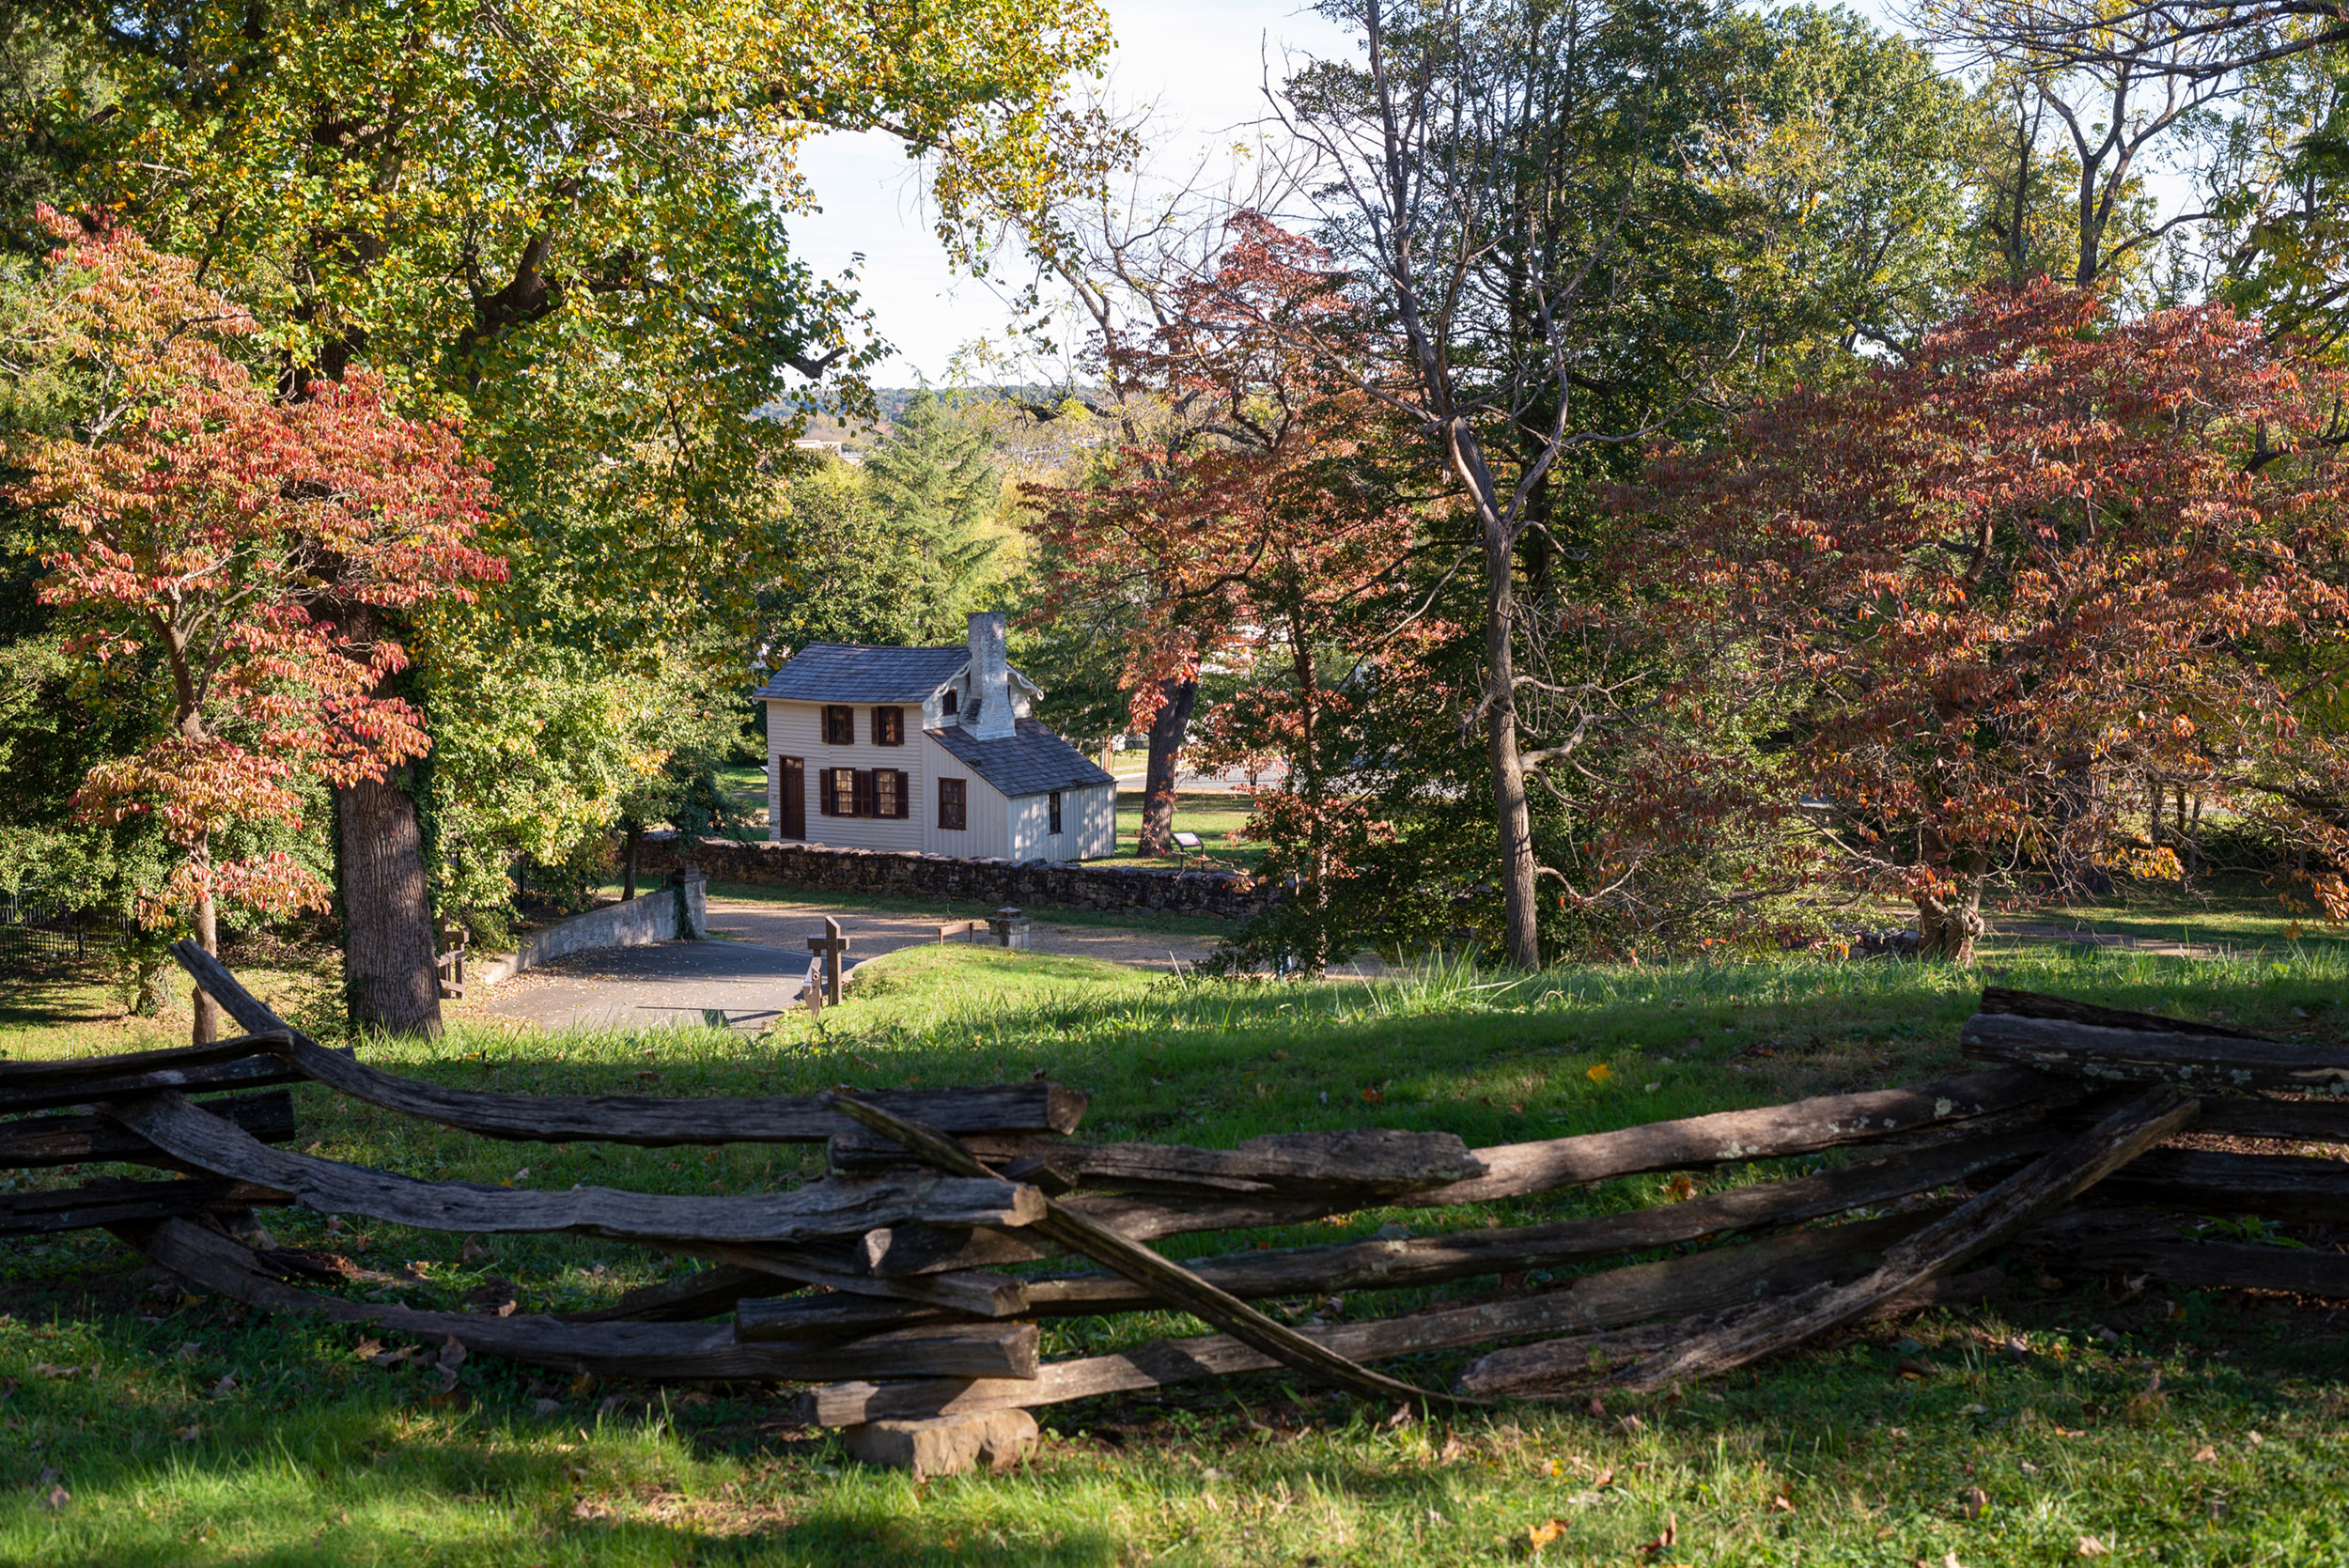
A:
910,874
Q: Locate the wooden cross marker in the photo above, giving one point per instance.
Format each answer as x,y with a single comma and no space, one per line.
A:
828,949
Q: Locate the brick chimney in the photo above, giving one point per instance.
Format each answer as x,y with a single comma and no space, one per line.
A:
991,678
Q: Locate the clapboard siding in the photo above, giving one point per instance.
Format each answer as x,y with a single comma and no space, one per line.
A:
1089,820
797,730
985,809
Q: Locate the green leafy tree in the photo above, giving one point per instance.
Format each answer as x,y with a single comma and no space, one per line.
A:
566,221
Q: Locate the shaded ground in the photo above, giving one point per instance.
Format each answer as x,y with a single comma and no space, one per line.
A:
734,985
789,925
754,970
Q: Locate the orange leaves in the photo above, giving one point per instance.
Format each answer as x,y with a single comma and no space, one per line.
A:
247,541
2058,540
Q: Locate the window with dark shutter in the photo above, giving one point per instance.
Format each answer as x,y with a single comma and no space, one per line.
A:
864,792
953,808
889,792
840,792
1052,808
889,726
839,726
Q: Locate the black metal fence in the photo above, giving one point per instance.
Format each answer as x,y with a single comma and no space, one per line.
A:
35,932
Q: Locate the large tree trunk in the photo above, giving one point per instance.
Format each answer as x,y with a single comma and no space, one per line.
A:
1167,731
388,973
1512,816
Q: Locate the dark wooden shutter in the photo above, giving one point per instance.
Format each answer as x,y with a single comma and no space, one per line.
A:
824,801
861,787
904,794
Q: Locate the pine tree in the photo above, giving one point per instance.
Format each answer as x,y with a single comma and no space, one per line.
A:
933,484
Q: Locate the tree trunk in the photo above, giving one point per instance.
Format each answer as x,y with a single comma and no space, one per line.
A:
1947,928
388,973
1512,818
1168,730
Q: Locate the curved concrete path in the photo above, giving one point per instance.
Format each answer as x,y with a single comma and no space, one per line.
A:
731,984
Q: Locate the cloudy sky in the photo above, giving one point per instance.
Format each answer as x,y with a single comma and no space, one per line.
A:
1198,63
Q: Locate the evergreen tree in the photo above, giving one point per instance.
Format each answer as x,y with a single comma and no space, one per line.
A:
933,483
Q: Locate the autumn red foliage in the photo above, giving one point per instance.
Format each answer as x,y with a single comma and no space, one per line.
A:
1261,532
1977,604
227,533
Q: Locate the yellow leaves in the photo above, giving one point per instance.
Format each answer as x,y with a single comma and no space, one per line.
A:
1599,1072
1538,1538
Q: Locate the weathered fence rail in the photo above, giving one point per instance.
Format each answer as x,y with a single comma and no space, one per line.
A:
880,1285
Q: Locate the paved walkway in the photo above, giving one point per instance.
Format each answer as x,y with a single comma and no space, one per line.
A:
872,932
754,968
733,984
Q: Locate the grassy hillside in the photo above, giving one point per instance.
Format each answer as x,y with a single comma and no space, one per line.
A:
187,1432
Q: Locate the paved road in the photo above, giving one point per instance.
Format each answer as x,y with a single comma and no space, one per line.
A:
742,985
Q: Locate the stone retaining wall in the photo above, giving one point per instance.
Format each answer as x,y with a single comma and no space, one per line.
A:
659,916
910,874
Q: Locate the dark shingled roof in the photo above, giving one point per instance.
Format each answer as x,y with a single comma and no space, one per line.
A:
854,672
1028,762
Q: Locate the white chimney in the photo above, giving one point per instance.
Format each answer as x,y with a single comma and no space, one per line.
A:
991,678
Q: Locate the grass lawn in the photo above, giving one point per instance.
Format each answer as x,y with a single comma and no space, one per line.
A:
1216,816
2229,913
189,1432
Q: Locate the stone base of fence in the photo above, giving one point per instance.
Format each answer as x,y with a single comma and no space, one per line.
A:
662,915
910,874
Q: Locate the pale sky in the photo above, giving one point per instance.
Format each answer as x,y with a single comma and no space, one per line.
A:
1199,63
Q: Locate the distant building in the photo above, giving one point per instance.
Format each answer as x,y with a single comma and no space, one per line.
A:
933,749
830,448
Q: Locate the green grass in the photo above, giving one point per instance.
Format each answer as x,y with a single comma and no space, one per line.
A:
2230,913
311,1455
1214,816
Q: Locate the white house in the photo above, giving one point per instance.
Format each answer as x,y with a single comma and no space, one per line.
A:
877,748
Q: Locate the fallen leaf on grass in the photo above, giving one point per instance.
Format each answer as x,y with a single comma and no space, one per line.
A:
2091,1546
1681,1189
452,1357
1669,1538
1372,1096
547,1406
1606,1478
55,1497
471,1249
2207,1455
1781,1504
189,1434
1538,1537
1973,1502
43,1369
1599,1072
1911,1367
227,1387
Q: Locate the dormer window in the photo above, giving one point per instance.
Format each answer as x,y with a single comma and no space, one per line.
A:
949,706
889,726
839,724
